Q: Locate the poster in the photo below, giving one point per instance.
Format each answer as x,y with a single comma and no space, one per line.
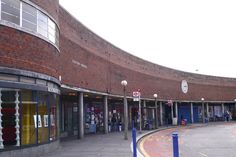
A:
39,121
52,120
45,120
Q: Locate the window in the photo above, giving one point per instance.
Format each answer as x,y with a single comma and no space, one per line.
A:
29,119
51,31
53,104
42,24
29,17
43,131
10,11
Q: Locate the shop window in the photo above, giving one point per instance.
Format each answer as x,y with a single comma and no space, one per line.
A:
43,131
10,11
42,24
8,118
53,103
29,17
29,117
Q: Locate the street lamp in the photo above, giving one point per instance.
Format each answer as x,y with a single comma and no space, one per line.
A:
155,97
203,110
124,84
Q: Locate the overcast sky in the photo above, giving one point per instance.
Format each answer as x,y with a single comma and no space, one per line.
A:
191,35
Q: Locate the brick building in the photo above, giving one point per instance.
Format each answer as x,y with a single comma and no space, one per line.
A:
59,79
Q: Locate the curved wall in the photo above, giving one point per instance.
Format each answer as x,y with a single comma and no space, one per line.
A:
89,62
50,6
22,50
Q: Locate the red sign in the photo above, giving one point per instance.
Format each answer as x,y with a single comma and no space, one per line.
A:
136,95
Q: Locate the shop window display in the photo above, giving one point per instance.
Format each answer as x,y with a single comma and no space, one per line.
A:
115,119
29,124
25,117
93,118
43,131
8,118
53,100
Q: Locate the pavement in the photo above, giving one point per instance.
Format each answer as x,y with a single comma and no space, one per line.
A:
94,145
212,140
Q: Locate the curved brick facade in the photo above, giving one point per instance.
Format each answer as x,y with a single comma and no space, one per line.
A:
24,51
92,63
50,6
87,61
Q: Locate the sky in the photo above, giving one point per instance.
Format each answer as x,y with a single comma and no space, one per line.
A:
196,36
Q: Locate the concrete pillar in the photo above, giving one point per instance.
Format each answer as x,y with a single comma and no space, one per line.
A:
105,115
140,115
161,114
207,111
172,112
157,123
203,113
223,109
81,116
144,110
192,113
176,110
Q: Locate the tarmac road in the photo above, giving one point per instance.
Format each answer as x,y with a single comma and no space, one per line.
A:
211,140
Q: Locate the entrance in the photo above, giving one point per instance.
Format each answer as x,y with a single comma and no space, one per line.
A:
71,119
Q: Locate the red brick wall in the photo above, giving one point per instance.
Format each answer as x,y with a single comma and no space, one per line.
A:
85,60
107,65
24,51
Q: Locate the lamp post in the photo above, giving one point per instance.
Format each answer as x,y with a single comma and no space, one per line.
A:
203,110
124,84
155,97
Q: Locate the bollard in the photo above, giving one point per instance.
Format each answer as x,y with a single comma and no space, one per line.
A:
175,144
134,141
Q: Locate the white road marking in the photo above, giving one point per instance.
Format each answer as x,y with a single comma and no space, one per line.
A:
203,154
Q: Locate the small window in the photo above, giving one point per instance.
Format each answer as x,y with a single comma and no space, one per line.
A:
42,24
29,17
10,11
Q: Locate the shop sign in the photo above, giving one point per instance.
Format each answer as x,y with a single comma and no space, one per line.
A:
136,95
54,90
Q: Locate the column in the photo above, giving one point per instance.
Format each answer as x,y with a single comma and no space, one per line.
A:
223,110
172,113
176,112
144,113
17,119
207,112
203,113
81,116
1,139
157,123
105,115
140,115
161,115
192,113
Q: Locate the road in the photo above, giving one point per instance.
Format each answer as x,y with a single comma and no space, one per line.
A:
211,140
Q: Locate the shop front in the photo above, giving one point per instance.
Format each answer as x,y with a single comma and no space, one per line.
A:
28,117
29,112
115,115
69,114
94,114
